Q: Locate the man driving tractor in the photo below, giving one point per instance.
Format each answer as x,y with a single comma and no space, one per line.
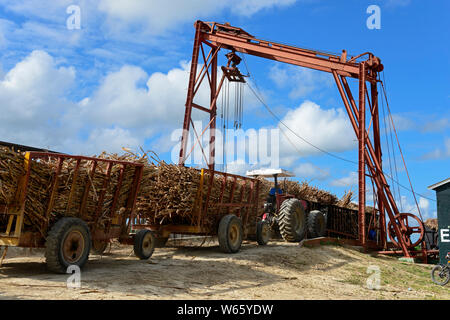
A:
286,214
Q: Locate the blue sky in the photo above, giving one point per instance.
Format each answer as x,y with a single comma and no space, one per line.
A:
121,79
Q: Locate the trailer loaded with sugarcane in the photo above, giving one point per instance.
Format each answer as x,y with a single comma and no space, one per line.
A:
68,204
181,200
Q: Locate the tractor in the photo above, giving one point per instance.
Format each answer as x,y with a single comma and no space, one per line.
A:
286,215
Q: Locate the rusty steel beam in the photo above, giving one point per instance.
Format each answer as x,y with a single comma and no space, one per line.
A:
106,181
74,183
374,166
87,188
361,156
379,156
190,96
274,52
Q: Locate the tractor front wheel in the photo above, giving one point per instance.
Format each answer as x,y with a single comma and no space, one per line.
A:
263,232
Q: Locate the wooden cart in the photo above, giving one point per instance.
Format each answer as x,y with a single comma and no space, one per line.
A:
234,215
69,238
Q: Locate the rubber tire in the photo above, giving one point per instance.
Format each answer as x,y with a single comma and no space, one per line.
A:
225,225
139,242
259,232
53,254
288,219
436,269
102,245
316,228
160,242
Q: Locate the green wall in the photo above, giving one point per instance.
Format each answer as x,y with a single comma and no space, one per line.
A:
443,212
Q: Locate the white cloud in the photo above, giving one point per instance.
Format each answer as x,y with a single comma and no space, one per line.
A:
350,180
300,81
46,10
250,7
126,109
405,122
436,125
401,122
140,104
328,129
115,139
287,161
424,204
32,98
409,206
439,153
5,27
152,17
311,171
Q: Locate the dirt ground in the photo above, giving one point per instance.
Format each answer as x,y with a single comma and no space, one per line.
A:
188,271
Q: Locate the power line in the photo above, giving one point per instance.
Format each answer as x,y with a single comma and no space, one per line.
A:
295,133
322,150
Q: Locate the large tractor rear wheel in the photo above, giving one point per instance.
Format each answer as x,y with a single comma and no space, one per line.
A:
230,234
316,224
292,220
68,243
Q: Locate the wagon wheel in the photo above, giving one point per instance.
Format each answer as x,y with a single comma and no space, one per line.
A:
413,226
144,244
68,243
230,233
99,247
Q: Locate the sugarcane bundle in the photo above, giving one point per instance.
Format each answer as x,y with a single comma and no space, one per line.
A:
304,191
346,201
300,190
432,224
172,194
167,193
11,170
37,195
91,184
70,186
12,173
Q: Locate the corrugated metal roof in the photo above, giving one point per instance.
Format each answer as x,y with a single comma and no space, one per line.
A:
437,185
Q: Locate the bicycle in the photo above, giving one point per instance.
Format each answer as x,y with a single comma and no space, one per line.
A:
441,272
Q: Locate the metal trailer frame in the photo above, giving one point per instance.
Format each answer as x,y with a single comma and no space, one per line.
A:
244,208
19,237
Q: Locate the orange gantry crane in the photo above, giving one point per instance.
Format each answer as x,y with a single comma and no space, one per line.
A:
365,68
